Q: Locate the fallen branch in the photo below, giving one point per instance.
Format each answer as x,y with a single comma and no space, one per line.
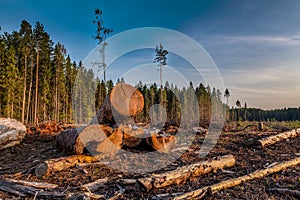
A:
94,186
181,174
34,184
294,193
279,137
236,181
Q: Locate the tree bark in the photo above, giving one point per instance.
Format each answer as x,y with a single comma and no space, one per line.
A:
236,181
279,137
181,174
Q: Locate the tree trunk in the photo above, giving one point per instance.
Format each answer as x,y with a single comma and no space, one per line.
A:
181,174
29,94
279,137
24,91
236,181
36,88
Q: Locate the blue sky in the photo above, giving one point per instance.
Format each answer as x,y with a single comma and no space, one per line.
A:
254,43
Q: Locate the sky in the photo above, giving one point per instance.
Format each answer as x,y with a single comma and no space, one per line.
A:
254,44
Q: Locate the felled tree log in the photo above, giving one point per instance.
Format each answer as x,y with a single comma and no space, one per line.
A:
236,181
162,142
74,141
181,174
279,137
58,164
123,101
12,132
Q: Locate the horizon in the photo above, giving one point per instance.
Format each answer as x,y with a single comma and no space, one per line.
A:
254,44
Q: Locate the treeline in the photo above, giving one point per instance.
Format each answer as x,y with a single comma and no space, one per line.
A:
36,76
179,105
255,114
39,82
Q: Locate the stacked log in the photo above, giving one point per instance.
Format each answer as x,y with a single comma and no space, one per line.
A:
123,103
12,132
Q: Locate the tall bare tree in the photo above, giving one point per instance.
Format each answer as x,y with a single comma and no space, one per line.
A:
161,59
100,36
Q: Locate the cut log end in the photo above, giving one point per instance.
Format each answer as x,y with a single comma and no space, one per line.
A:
41,170
127,100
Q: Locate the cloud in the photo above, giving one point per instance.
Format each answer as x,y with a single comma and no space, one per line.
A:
290,40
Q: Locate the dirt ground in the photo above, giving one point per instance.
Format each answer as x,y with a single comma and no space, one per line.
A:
18,163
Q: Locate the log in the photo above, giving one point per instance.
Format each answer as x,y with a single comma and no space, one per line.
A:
58,164
74,141
127,100
236,181
124,101
279,137
181,174
23,191
112,144
12,132
132,138
162,142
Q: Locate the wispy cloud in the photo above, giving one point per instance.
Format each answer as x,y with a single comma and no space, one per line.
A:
264,39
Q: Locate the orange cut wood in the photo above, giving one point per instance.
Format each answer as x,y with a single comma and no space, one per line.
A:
127,100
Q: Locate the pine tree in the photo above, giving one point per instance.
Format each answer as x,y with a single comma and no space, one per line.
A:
26,45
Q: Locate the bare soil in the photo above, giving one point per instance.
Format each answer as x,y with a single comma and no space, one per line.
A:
18,163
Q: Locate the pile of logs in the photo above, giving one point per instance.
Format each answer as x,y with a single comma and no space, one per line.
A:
112,127
48,128
12,132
